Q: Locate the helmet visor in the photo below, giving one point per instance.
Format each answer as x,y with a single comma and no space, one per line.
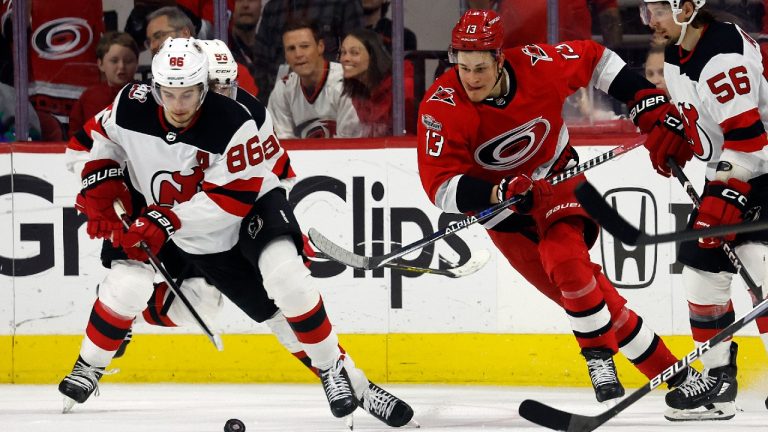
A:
654,11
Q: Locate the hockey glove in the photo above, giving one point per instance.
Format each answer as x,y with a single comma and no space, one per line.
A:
103,183
722,204
155,226
655,116
533,193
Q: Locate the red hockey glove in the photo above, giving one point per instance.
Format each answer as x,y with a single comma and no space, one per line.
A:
308,252
723,204
103,183
533,193
656,117
155,226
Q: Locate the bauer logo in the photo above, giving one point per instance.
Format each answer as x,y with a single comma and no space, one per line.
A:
631,266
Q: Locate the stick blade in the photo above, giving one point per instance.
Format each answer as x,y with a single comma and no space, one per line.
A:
336,252
555,419
605,215
478,260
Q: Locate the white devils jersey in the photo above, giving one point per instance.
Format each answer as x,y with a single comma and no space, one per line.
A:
325,113
722,96
210,173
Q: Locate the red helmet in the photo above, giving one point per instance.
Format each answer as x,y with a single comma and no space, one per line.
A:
478,30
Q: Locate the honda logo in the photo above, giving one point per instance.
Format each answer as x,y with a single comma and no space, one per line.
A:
631,266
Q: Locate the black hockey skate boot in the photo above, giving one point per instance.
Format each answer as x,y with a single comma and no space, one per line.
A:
78,386
338,389
716,385
602,372
385,406
124,344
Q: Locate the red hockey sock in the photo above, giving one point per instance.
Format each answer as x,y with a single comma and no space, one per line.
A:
105,328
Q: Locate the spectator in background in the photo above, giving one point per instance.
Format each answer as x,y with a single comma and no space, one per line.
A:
654,67
525,21
8,117
334,18
242,40
376,19
117,57
368,81
309,103
171,21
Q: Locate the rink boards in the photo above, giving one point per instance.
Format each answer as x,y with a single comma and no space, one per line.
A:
488,327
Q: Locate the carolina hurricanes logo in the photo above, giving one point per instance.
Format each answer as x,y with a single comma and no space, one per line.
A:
513,148
694,132
170,188
443,94
316,128
62,38
536,53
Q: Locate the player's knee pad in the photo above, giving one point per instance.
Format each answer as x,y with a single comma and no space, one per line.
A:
204,298
127,287
706,288
754,256
286,279
284,333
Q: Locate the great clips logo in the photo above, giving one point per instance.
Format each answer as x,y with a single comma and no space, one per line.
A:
631,266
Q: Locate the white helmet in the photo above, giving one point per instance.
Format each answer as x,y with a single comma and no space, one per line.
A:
179,63
222,68
676,5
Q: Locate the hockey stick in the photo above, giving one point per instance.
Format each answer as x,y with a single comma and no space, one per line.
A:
553,418
475,263
611,221
756,292
351,259
158,265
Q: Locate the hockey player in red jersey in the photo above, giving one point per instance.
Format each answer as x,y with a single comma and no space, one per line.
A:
491,128
715,77
226,212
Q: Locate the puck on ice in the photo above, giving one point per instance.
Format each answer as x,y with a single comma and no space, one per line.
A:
234,425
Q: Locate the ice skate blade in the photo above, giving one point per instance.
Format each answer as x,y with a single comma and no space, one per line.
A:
413,424
69,403
349,421
716,411
610,403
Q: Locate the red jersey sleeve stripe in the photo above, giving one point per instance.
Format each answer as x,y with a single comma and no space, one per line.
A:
230,205
748,145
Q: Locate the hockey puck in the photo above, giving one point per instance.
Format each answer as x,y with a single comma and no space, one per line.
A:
234,425
766,403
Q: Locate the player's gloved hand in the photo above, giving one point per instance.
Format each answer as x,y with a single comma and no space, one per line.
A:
660,121
103,183
308,252
532,192
722,204
155,226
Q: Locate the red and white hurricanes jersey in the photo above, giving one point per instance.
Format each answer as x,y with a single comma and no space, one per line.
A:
210,173
325,113
722,95
518,133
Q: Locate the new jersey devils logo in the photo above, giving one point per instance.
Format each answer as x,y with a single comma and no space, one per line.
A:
694,132
171,188
513,148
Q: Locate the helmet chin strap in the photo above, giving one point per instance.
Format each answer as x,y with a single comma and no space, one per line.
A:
683,25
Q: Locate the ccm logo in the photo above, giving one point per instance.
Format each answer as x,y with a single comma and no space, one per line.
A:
734,195
631,266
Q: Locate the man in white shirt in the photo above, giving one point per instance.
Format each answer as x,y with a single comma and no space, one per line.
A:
308,102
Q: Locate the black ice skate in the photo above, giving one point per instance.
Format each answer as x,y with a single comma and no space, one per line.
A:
385,406
78,386
338,389
602,372
709,396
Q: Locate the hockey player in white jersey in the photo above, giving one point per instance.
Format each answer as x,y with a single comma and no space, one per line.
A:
714,75
308,102
222,158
